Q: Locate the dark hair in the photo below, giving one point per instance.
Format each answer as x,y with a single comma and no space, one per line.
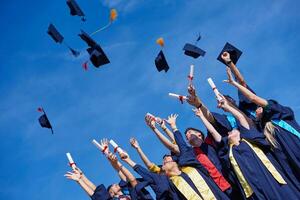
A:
108,188
194,129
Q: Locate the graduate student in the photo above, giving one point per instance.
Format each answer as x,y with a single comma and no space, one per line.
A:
246,152
129,186
280,127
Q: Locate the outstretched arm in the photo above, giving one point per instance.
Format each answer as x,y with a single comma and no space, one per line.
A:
164,140
237,74
246,92
215,134
134,143
195,101
167,131
129,176
105,145
239,115
76,176
85,179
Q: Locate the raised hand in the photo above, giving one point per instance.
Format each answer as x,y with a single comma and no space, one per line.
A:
230,79
172,120
75,175
150,122
112,158
105,145
226,57
134,143
198,112
192,98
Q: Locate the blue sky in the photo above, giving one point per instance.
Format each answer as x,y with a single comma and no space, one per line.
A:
111,101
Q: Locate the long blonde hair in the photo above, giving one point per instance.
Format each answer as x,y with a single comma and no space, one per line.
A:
269,132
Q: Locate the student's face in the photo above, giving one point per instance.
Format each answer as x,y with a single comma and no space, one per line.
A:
259,113
114,190
194,138
234,136
169,164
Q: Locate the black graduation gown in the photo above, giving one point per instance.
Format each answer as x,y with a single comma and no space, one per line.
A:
187,157
259,178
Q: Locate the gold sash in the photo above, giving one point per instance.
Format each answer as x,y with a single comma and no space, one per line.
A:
263,158
198,181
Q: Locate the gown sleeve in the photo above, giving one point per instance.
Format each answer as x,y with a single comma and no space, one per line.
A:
101,193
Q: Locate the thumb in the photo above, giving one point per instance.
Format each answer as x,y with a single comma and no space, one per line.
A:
226,81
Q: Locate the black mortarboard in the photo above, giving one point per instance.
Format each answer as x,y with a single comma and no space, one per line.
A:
234,52
85,37
75,9
74,52
97,56
161,62
53,32
44,121
193,50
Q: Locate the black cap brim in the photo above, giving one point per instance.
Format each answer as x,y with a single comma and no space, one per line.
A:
74,8
85,37
193,51
53,32
97,56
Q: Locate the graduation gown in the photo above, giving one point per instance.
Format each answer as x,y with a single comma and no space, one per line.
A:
287,152
187,157
288,142
139,192
160,184
261,181
101,193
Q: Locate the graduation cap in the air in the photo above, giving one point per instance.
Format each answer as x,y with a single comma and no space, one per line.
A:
97,55
160,60
192,50
44,121
75,9
58,38
234,53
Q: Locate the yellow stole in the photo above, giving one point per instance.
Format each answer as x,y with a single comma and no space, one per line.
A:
198,181
263,158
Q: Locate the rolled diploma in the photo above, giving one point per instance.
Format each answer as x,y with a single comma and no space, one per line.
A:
157,120
213,86
177,96
97,145
71,161
115,146
191,76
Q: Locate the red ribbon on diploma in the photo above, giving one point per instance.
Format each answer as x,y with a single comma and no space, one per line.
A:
71,164
181,99
104,149
115,149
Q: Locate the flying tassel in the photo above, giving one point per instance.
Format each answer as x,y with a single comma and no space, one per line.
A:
85,65
112,17
160,41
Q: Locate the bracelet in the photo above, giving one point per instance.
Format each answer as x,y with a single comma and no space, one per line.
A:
200,105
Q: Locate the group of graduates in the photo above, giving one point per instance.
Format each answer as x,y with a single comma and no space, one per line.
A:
251,152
